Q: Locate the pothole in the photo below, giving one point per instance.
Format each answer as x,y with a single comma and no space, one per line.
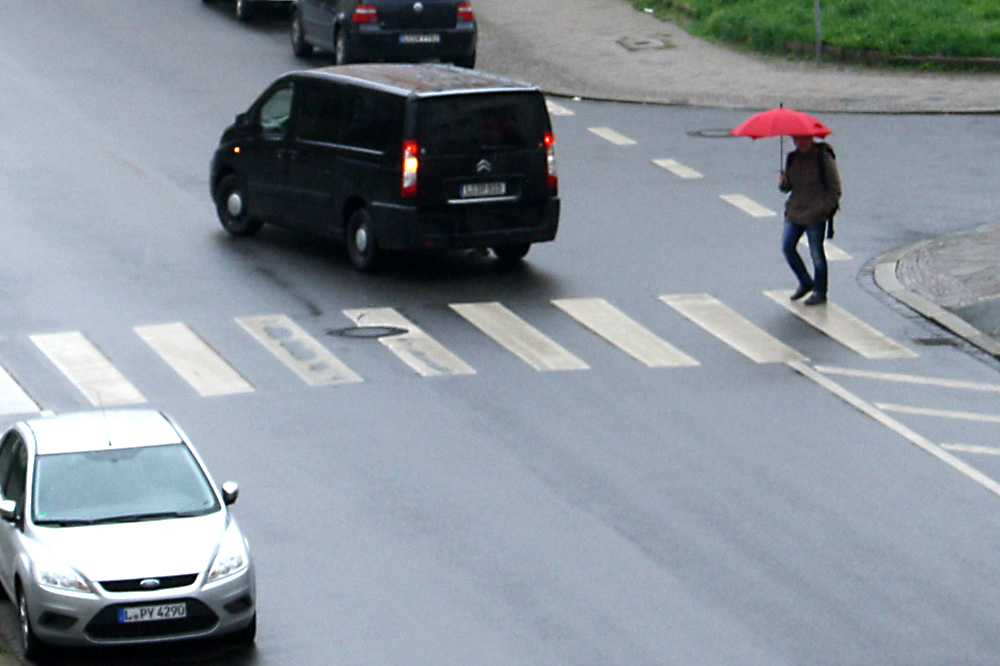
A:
644,43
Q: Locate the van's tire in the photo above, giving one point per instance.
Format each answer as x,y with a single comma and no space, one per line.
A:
300,47
231,206
244,10
511,253
341,48
362,248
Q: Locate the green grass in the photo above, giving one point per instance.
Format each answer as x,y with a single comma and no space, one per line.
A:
930,30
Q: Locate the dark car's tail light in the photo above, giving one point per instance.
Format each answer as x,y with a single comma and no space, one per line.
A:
411,165
551,178
365,14
465,12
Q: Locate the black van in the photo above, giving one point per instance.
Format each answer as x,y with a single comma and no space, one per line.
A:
393,157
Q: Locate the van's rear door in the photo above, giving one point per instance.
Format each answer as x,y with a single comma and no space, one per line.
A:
482,148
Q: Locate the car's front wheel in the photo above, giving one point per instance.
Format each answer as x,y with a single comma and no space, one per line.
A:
32,648
361,245
300,47
246,635
231,206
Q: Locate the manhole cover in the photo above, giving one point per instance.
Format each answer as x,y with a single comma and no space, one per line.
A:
720,133
367,332
642,43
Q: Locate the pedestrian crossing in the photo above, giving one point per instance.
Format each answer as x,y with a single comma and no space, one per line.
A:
192,358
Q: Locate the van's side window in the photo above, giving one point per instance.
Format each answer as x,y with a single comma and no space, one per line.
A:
319,114
371,119
276,110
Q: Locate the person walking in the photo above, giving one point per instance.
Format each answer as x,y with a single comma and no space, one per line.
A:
813,183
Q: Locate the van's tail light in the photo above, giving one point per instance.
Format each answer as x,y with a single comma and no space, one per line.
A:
465,12
365,14
411,165
551,178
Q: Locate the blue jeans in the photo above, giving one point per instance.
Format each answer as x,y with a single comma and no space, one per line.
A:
789,241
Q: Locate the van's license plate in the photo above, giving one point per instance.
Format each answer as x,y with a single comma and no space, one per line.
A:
152,613
470,190
419,38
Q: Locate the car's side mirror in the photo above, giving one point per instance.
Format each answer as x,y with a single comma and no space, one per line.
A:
8,510
243,121
230,491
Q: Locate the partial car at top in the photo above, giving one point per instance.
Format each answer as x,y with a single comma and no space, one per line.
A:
386,30
113,532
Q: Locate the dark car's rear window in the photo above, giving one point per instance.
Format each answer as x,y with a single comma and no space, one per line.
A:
501,121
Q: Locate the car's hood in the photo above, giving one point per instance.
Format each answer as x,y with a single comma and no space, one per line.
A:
148,549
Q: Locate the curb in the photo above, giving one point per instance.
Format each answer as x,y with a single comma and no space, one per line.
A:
887,279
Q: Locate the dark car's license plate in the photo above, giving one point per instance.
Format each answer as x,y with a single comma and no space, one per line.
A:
472,190
419,38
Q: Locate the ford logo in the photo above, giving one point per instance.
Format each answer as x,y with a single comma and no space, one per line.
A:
149,583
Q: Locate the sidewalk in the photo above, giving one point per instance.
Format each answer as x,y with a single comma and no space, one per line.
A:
605,49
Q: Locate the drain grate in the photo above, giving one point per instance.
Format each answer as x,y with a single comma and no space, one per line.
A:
367,332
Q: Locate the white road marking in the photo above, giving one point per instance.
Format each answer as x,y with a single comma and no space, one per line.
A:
747,205
917,440
88,369
939,413
731,328
910,379
843,327
625,333
193,359
557,109
13,399
518,336
833,253
298,350
614,137
414,347
972,448
678,169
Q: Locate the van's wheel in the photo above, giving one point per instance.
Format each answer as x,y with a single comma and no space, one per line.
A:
341,51
511,253
361,245
32,648
231,206
300,47
244,10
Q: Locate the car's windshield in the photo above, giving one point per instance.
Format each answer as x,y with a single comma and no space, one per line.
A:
120,485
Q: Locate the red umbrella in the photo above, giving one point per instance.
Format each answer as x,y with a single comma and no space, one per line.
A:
780,122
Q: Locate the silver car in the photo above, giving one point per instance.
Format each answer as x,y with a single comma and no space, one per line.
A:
113,531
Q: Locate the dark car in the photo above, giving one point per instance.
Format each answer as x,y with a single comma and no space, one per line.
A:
393,157
386,30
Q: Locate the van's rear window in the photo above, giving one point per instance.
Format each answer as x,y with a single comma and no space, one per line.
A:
502,121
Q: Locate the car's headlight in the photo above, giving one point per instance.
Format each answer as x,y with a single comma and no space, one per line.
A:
52,572
232,557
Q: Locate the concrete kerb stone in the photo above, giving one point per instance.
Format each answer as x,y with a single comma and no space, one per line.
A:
887,278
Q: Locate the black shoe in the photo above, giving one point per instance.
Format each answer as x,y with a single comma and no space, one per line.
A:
801,291
816,299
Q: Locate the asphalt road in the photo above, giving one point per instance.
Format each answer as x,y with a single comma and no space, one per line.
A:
719,511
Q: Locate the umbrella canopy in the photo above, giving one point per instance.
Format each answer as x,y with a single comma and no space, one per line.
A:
780,122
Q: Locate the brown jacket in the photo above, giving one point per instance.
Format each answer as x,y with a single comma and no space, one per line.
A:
811,202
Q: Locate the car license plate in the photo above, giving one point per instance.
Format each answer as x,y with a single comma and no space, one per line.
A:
470,190
419,38
152,613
